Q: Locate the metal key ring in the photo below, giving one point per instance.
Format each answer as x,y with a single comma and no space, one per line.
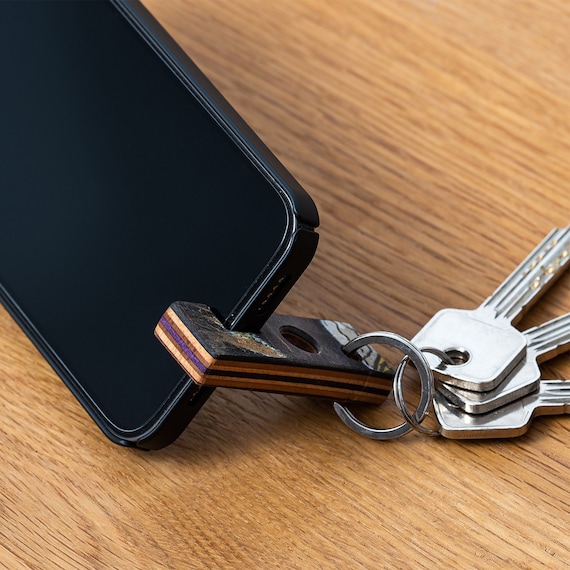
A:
427,386
401,404
399,394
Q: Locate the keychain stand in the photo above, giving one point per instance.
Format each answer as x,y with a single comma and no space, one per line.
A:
290,355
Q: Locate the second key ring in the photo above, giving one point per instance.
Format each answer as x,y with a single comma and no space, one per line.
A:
426,378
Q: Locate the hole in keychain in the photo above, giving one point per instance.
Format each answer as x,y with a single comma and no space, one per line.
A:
413,354
299,339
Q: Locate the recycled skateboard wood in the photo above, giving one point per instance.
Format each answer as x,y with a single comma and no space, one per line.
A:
290,355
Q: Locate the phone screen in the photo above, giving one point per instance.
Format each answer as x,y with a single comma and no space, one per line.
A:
119,194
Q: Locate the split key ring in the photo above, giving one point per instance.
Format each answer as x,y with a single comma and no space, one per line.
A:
412,421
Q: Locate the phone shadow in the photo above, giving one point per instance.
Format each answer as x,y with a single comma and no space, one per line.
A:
241,423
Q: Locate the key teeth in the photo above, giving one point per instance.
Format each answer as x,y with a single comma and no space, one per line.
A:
504,288
532,277
550,337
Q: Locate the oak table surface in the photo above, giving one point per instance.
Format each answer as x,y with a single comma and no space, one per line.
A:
434,137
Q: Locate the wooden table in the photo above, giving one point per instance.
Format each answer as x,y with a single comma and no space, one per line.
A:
434,137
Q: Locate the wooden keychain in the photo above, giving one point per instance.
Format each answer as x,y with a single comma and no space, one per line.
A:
290,355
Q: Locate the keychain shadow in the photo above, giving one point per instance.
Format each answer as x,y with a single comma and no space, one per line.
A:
236,423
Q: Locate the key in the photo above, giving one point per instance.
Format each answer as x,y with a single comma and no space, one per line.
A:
483,342
514,419
543,343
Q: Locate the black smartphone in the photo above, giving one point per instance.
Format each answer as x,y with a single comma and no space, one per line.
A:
127,182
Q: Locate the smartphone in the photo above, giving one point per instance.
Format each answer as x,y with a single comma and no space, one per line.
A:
127,182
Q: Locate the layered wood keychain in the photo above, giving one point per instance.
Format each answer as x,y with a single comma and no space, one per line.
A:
290,355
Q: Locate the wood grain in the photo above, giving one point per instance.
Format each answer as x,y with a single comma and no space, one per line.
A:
434,137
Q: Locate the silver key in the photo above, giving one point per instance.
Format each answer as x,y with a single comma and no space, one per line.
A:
543,343
484,342
552,398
